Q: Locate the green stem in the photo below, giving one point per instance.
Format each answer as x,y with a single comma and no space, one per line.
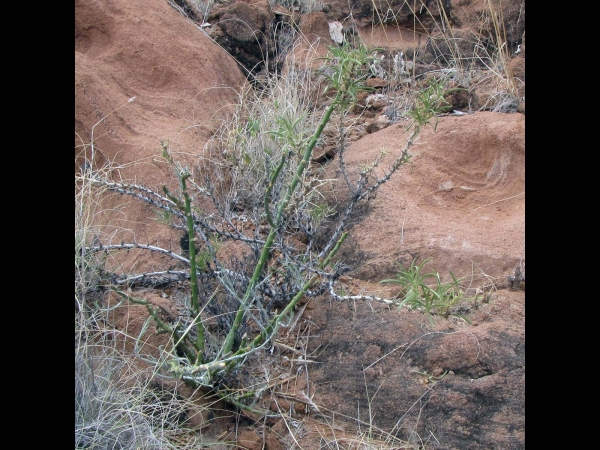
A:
228,343
270,188
270,329
199,344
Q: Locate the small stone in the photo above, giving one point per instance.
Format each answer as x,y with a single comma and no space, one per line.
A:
446,186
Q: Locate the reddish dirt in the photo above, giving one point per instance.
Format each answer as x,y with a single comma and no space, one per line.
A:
461,201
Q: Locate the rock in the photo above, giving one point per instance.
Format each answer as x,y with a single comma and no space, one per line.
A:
243,30
249,440
379,123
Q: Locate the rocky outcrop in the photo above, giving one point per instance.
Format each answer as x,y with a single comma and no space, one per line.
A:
449,385
151,54
244,30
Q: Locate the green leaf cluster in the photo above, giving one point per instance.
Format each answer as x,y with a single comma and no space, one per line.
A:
426,291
